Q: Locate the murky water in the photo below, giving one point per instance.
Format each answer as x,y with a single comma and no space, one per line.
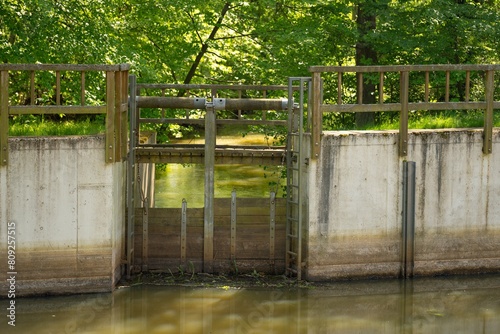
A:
187,181
438,305
179,181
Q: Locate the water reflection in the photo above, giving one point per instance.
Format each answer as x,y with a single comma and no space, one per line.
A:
445,305
187,181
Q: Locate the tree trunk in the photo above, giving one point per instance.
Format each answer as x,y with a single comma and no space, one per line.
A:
365,55
204,47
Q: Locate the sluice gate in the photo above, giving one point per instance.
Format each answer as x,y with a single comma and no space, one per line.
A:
204,239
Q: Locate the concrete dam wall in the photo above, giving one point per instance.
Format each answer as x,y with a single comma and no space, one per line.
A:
355,204
66,207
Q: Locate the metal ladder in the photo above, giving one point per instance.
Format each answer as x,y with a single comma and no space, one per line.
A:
294,170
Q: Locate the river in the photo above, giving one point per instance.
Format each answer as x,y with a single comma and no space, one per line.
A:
423,305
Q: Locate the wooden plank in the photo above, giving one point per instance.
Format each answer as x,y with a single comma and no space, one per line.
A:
403,68
118,116
183,231
63,67
54,110
317,117
403,115
272,227
145,235
110,117
233,225
381,88
397,106
488,113
124,117
208,222
4,117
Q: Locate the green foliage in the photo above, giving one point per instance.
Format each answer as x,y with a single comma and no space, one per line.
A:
257,41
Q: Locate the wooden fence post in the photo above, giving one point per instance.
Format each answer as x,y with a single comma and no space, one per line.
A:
233,226
110,117
403,115
488,113
317,117
4,117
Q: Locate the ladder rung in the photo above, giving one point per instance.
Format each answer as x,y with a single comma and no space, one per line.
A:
292,236
293,202
291,253
292,270
293,219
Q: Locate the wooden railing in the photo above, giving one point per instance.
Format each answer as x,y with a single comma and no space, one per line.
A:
114,104
477,92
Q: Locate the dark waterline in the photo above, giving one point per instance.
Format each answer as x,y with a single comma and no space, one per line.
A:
431,305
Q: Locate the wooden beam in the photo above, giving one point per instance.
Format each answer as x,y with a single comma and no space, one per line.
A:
54,110
488,113
208,216
4,117
183,231
411,105
272,227
110,117
403,116
145,233
233,225
317,117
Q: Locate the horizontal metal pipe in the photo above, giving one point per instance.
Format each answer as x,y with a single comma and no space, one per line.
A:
171,102
218,103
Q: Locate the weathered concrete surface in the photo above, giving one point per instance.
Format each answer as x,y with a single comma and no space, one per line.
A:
355,191
68,208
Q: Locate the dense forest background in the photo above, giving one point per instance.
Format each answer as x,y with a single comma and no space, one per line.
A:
256,41
248,42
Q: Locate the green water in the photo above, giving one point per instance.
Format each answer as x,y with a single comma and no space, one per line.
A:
187,181
437,305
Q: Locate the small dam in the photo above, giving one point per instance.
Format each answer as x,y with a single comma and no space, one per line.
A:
359,204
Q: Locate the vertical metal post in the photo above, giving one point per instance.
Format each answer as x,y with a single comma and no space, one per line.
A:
208,217
488,113
183,231
131,175
4,117
233,225
403,115
408,228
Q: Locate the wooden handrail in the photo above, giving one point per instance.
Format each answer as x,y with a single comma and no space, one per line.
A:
115,105
405,104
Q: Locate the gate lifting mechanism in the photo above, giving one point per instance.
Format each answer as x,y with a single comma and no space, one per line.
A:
293,153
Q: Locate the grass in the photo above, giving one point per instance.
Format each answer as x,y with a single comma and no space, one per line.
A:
417,120
56,128
439,120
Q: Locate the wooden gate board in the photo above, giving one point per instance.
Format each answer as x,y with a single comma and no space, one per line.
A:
251,244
